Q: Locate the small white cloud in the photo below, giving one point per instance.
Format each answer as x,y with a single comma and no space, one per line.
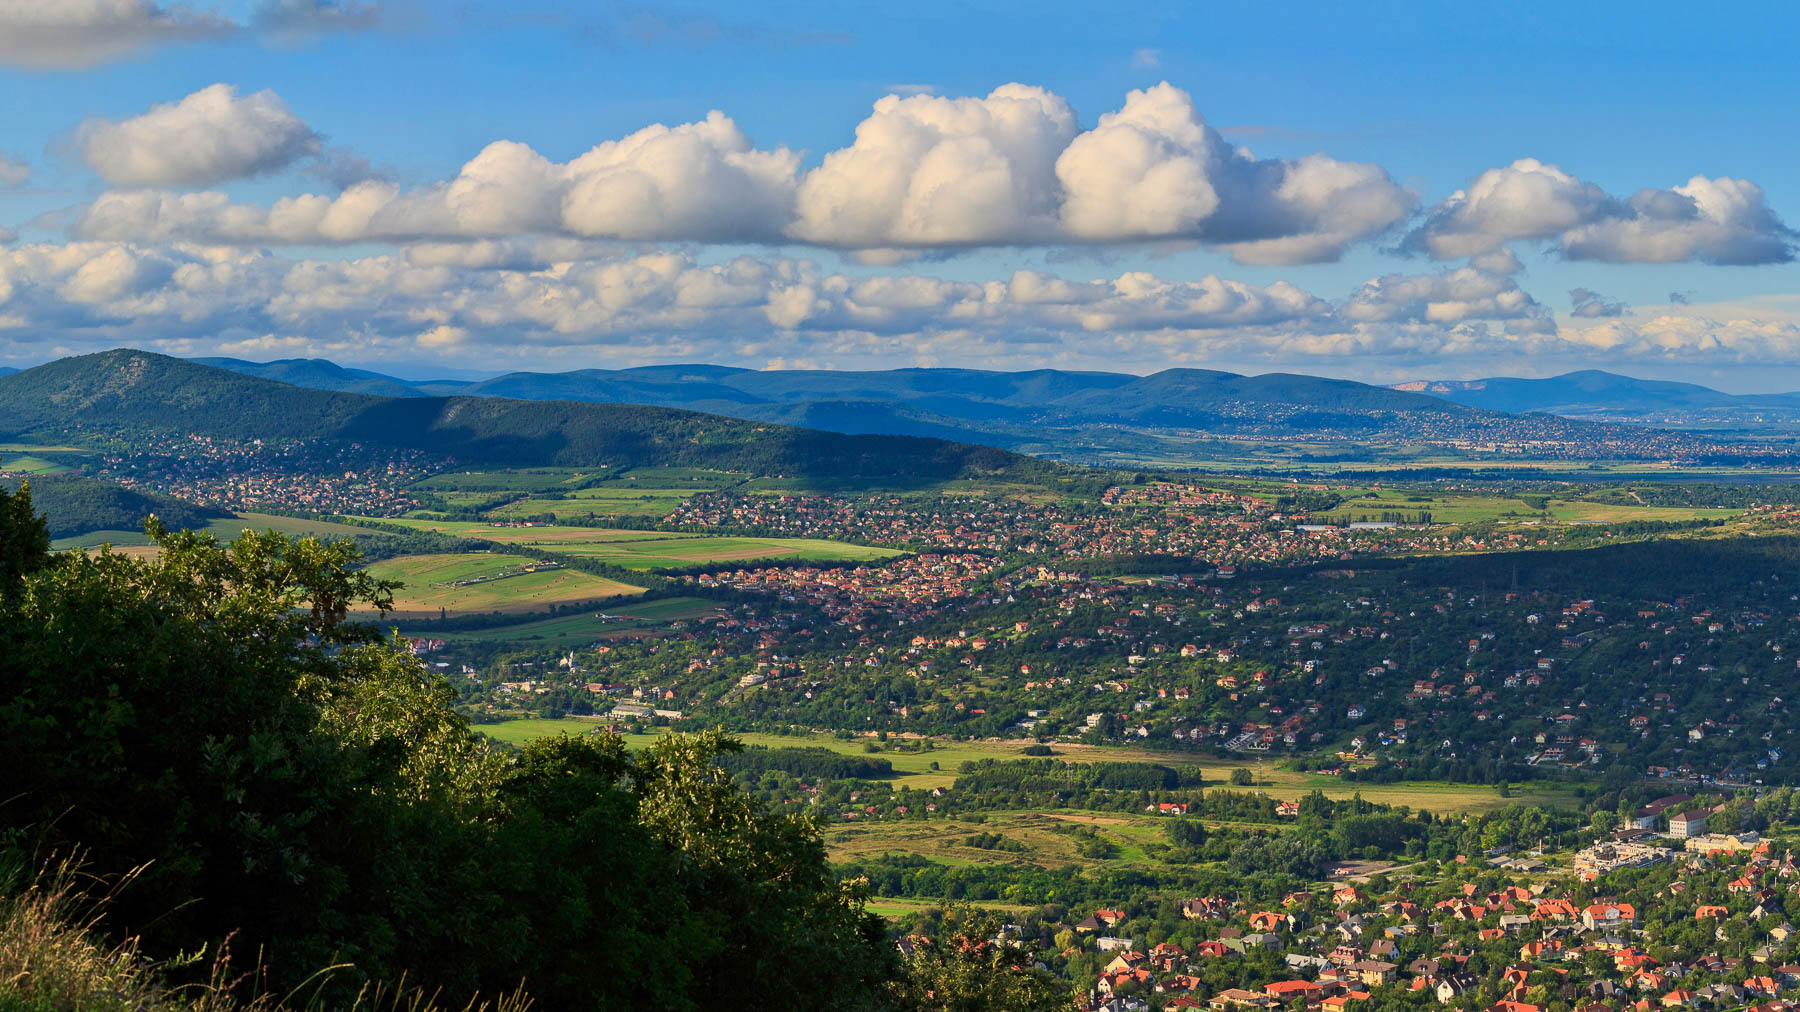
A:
211,136
1146,59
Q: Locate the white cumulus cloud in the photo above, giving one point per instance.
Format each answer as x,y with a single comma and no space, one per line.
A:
211,136
1715,221
924,173
1156,170
697,181
1720,221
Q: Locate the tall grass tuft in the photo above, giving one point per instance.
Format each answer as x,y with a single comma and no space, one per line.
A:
52,960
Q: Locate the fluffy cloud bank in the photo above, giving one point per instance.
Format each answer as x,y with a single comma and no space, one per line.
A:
538,300
1717,221
209,137
923,173
63,34
698,181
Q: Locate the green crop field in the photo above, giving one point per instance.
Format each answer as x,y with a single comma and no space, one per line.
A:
7,449
539,479
599,502
518,732
584,627
484,582
17,463
562,631
1595,512
944,840
692,479
291,526
894,908
1455,508
666,609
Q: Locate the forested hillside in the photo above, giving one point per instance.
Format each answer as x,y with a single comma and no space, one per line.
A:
74,505
130,389
914,401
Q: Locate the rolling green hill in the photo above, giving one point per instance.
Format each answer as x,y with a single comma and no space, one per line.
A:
74,505
124,390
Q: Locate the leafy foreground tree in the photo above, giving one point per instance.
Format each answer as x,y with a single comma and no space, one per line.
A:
209,734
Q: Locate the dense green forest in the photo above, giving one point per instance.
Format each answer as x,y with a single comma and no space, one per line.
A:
234,765
75,505
137,390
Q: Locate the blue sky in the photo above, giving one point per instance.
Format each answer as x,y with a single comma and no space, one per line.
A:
1332,247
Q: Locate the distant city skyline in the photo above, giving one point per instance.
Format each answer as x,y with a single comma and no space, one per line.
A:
1424,191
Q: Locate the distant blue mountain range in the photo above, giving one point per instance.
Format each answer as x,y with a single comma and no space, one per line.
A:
1592,394
952,402
934,402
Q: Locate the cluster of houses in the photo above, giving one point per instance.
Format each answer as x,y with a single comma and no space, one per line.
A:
1338,950
1225,528
308,476
906,589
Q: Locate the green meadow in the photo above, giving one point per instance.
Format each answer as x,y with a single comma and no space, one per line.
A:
587,626
481,582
